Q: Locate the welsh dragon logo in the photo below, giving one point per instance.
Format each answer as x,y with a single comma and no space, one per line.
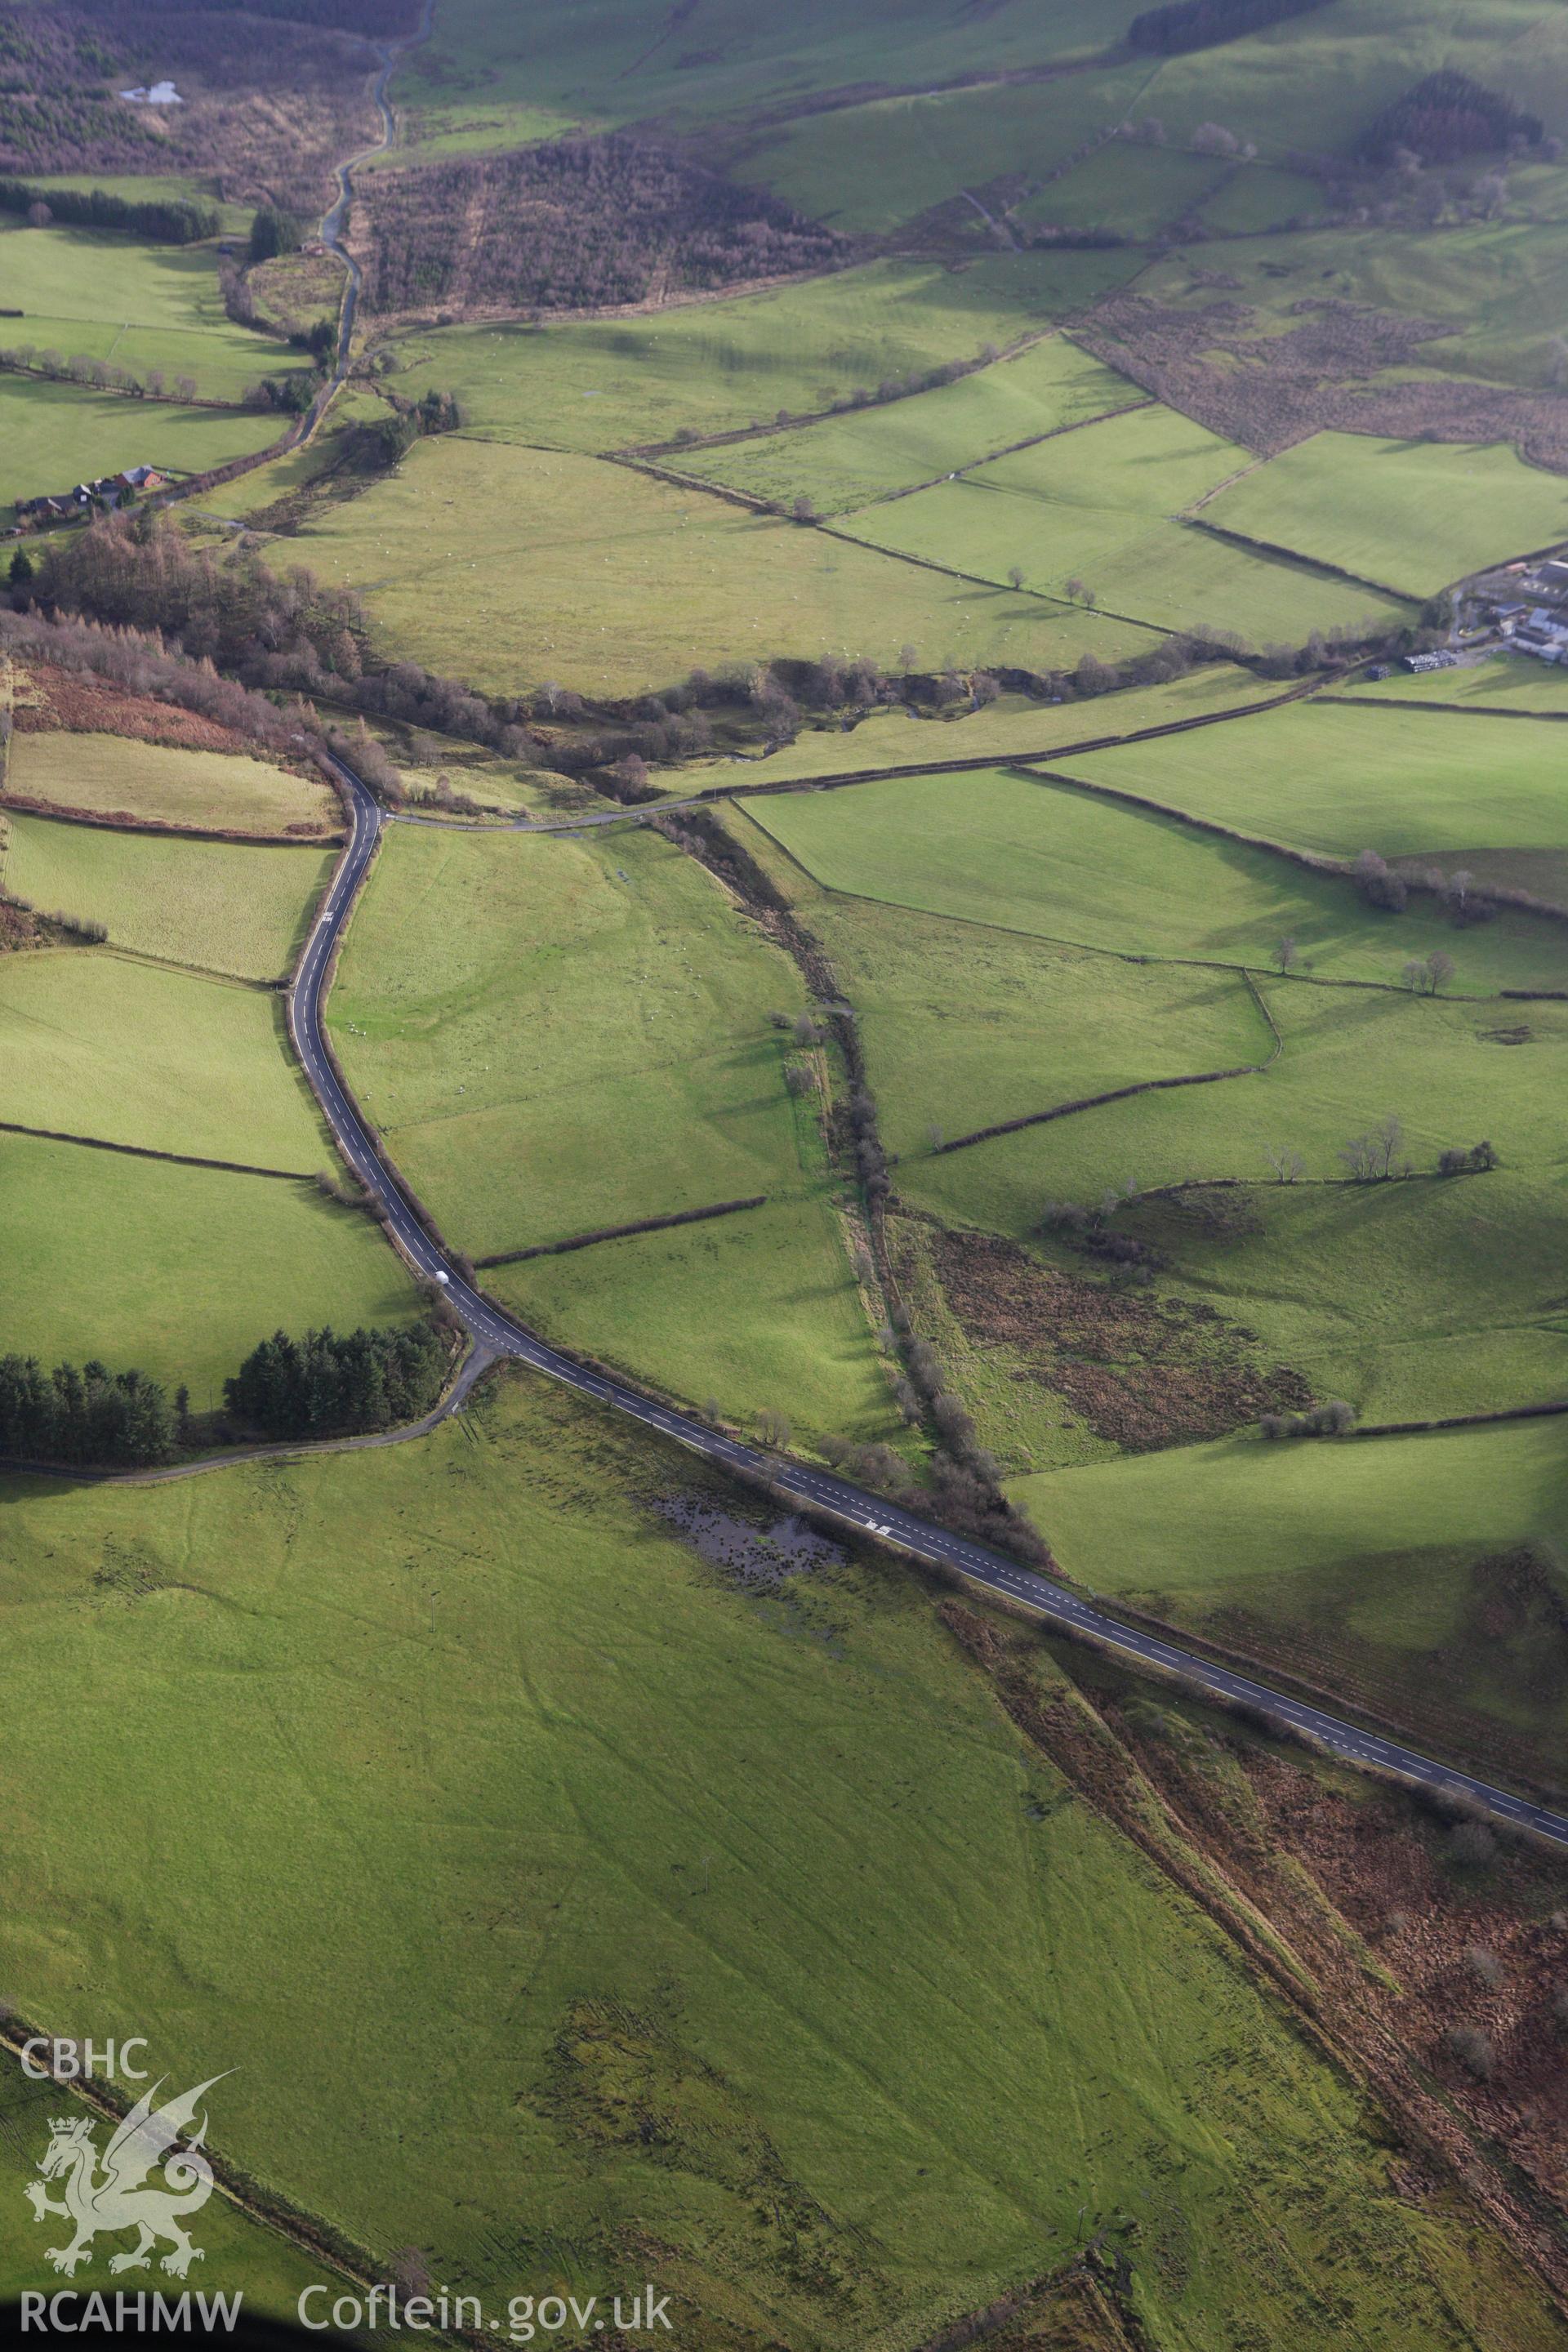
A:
116,2197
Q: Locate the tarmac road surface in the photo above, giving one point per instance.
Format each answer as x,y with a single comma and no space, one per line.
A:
497,1334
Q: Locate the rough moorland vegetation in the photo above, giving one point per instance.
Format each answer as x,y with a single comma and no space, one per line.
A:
267,98
581,224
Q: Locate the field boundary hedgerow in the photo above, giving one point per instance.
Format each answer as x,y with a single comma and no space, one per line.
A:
1292,555
146,1151
981,579
127,820
1330,870
621,1233
1459,709
1030,761
1095,1102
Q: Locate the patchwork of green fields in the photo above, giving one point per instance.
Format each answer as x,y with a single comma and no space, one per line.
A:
712,367
143,306
100,1045
605,65
1100,508
220,906
1409,516
1413,1299
755,1944
1046,389
649,1843
964,1027
874,167
995,847
118,774
507,566
178,1270
1332,776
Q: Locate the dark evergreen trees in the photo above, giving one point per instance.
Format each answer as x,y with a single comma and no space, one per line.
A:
331,1385
111,1420
1201,24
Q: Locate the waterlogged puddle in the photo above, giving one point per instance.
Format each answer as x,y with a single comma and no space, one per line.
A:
760,1559
159,93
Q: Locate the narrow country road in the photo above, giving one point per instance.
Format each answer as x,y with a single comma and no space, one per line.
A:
497,1334
390,53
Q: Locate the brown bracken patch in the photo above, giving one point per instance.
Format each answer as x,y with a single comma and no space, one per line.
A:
1486,1949
1142,1371
1268,391
51,702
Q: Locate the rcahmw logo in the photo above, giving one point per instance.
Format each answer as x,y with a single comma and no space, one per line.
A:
151,2178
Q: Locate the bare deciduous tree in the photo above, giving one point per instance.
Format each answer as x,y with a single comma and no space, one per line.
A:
1288,1164
1373,1157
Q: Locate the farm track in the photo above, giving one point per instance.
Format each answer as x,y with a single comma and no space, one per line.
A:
496,1334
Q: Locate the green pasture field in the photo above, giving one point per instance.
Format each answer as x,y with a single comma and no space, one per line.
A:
221,906
1412,515
871,168
143,306
851,460
510,566
1099,505
1014,726
57,435
95,1044
1259,196
550,1048
178,1270
157,780
751,1311
1129,189
1412,1299
1347,1561
1184,578
608,65
594,384
1501,682
1336,776
1316,82
991,847
626,1839
963,1027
